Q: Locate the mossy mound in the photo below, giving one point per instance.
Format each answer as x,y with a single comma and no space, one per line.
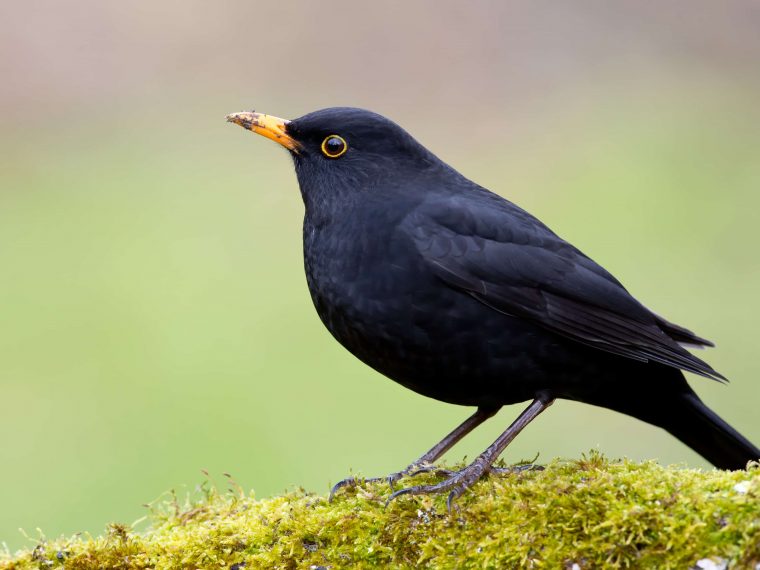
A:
590,513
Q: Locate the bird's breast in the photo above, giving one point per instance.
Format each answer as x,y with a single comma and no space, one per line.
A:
362,282
380,300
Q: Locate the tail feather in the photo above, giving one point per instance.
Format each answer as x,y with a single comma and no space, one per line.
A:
666,400
682,335
705,432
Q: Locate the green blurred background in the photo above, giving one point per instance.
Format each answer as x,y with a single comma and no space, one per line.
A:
155,315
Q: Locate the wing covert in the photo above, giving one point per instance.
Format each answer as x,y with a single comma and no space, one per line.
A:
511,262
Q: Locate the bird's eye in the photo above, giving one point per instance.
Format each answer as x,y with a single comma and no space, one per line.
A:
334,146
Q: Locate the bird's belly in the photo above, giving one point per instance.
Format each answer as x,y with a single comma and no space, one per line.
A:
447,345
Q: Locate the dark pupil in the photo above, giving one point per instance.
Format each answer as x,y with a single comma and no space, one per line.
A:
334,145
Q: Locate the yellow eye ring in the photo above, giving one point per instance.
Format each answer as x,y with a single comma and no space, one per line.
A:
334,146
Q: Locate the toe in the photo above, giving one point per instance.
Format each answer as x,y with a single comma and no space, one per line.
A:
349,482
516,469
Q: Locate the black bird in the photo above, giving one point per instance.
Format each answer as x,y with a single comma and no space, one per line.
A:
462,296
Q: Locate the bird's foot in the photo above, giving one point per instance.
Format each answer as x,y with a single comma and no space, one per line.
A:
457,484
516,469
354,481
419,468
411,471
459,481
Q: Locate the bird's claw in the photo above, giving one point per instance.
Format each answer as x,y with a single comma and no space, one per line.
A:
354,481
418,468
347,482
516,469
457,483
411,471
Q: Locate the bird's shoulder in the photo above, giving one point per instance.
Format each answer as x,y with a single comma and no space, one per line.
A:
480,228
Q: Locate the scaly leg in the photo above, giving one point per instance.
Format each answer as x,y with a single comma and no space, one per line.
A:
462,480
424,463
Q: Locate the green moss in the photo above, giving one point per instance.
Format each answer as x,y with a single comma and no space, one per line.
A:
591,513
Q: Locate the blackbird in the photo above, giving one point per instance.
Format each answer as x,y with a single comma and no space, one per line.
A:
462,296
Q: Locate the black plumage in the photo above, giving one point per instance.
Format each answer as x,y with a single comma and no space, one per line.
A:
462,296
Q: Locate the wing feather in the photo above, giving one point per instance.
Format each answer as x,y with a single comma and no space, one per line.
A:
512,263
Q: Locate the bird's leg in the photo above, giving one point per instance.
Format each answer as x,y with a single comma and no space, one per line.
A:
460,481
424,463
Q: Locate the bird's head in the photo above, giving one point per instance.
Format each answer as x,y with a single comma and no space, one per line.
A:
342,152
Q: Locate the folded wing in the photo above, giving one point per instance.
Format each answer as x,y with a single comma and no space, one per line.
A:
508,260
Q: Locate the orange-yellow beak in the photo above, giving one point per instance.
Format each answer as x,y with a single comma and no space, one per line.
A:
266,125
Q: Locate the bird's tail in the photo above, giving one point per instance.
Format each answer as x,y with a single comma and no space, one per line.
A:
680,412
696,425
